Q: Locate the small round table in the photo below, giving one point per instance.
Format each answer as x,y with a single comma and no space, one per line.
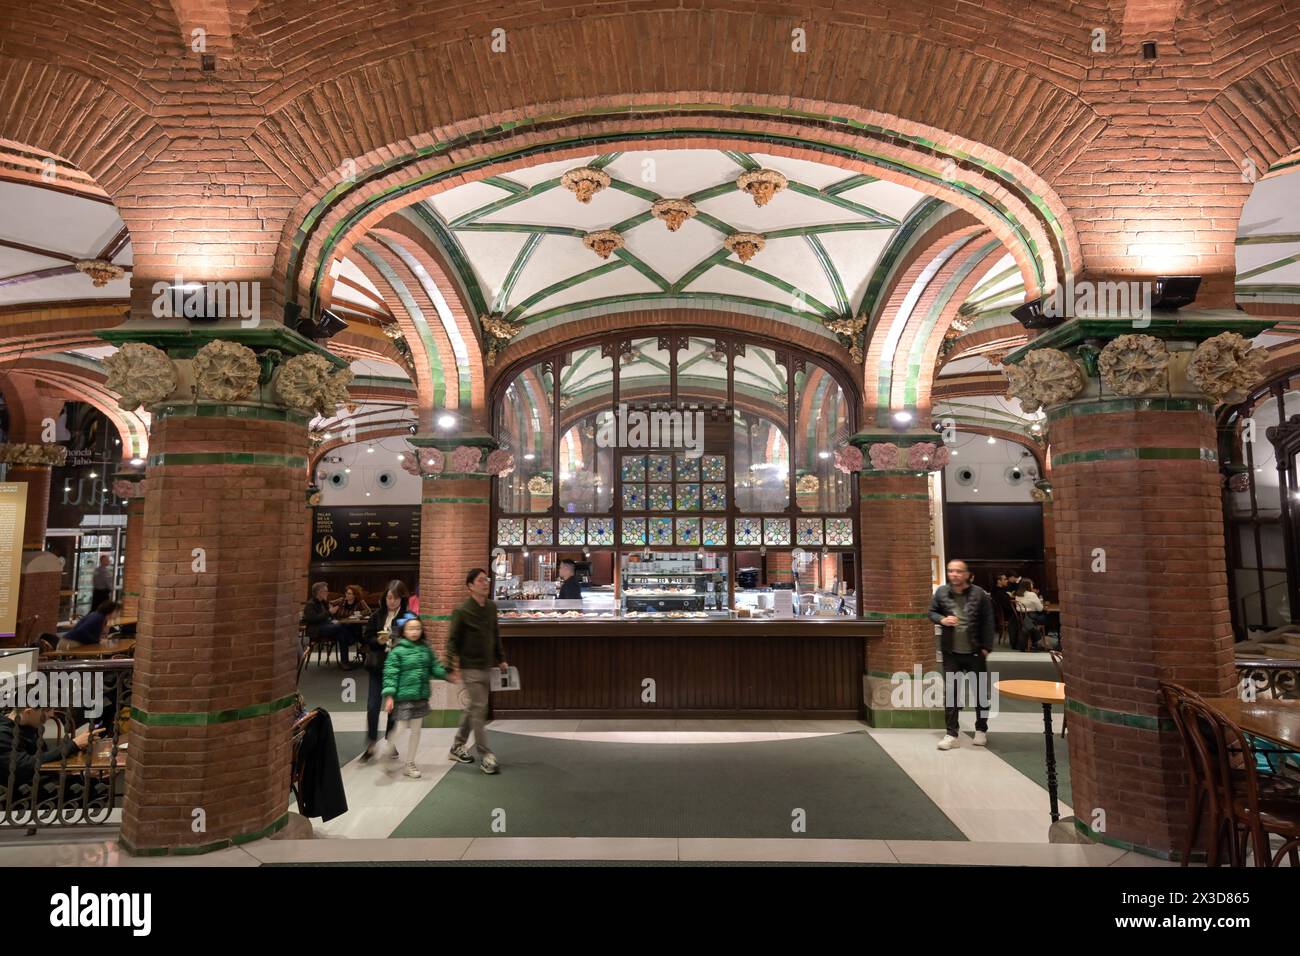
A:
1047,693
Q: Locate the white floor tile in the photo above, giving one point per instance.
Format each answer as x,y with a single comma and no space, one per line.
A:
1002,854
571,848
358,850
791,850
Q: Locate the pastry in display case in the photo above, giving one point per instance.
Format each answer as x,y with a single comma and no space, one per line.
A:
674,585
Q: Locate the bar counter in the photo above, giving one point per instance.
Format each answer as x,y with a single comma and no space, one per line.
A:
805,667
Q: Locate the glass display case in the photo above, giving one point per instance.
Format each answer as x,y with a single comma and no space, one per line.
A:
673,584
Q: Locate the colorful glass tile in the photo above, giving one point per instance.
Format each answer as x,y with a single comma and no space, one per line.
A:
634,530
688,497
688,469
809,531
688,531
634,467
634,497
541,531
510,531
776,530
600,531
715,531
839,531
661,498
749,531
661,530
573,531
714,467
659,467
715,497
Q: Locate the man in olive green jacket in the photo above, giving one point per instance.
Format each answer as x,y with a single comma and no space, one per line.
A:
473,649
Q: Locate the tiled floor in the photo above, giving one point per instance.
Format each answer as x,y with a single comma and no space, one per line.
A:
1001,812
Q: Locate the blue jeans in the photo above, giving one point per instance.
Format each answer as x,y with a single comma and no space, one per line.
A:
340,634
373,702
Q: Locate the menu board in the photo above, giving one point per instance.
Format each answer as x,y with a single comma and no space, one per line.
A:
13,512
386,533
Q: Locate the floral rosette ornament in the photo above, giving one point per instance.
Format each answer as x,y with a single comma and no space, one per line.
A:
226,371
848,459
127,490
1224,364
1134,365
465,459
411,465
500,463
884,456
921,456
140,374
310,383
432,461
1044,377
941,457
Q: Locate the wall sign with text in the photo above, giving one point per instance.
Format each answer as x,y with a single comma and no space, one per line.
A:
359,533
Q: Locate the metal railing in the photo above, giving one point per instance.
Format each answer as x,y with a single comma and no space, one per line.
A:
45,780
1269,678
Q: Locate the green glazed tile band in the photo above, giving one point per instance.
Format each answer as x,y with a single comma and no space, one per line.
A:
1119,717
1197,856
883,615
435,617
239,840
203,719
925,497
227,458
259,412
1139,454
455,501
1130,405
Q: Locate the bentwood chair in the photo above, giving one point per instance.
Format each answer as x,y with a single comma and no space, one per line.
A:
295,773
1258,811
1060,676
1202,793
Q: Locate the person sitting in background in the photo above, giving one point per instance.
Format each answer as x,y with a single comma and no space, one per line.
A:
318,615
1028,601
20,747
353,604
91,628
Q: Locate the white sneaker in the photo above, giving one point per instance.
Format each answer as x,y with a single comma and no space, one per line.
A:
949,742
981,739
413,771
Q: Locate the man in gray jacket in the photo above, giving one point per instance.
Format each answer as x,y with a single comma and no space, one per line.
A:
965,612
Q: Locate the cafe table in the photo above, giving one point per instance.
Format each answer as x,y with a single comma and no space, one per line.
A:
104,649
1047,693
101,755
1277,721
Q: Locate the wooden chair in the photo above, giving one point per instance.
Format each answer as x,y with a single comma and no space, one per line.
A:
1257,811
302,663
1203,792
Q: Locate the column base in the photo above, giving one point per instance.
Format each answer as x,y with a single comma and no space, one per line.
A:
883,709
240,840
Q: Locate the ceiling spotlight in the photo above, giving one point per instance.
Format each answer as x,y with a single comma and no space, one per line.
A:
367,494
1035,427
347,471
370,450
327,436
529,457
446,421
823,455
992,440
955,453
137,461
401,458
903,418
94,474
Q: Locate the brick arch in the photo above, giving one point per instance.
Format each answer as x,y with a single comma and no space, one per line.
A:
1012,205
81,384
1015,438
1008,335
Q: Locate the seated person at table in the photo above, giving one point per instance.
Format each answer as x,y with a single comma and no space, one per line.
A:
353,604
1027,600
20,735
318,615
92,628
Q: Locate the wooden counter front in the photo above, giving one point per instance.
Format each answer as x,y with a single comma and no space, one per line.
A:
800,668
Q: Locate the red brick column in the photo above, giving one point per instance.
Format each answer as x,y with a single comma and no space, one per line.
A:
130,597
1136,486
217,650
895,525
455,515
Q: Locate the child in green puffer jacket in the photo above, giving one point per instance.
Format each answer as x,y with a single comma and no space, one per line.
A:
409,667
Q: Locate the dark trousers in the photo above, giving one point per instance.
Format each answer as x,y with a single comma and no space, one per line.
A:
98,596
958,691
373,701
340,634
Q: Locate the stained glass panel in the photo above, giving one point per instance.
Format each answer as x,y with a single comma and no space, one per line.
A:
776,530
661,530
839,531
541,531
715,531
715,497
600,530
749,531
661,498
659,467
510,531
688,531
809,530
634,497
634,467
688,469
688,497
634,530
714,467
573,531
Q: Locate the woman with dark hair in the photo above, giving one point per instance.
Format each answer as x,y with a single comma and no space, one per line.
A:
91,628
376,639
348,614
